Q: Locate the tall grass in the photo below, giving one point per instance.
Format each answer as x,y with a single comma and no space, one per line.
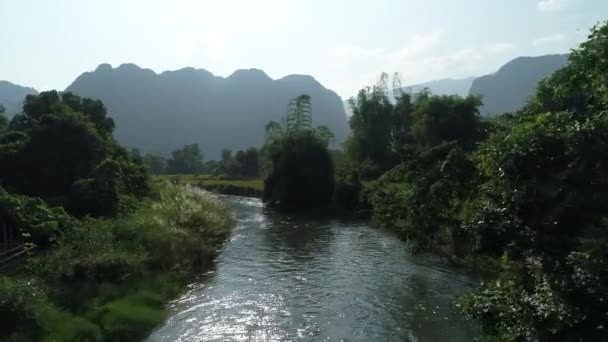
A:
110,279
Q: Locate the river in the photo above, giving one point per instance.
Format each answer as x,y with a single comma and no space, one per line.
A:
282,278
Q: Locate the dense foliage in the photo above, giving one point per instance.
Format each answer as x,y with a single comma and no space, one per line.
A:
523,196
302,175
302,169
187,160
244,164
3,119
387,123
61,148
91,279
108,280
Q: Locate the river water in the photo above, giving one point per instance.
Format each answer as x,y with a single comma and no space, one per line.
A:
281,278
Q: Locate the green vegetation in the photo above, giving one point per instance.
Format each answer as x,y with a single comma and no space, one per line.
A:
188,159
109,279
244,164
521,196
3,120
61,149
302,174
106,250
219,184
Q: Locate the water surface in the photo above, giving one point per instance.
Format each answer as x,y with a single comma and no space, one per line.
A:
281,278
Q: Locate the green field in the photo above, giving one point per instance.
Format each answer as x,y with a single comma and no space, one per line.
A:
224,185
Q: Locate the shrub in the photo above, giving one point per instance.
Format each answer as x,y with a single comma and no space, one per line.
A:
302,173
181,230
37,222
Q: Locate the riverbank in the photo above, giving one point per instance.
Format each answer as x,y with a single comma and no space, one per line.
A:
109,279
221,185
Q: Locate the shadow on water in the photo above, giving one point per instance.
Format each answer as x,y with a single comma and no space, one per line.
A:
300,237
286,278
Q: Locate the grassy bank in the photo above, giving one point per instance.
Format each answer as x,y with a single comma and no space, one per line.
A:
222,185
109,279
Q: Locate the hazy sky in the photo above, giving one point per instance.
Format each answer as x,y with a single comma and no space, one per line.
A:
344,44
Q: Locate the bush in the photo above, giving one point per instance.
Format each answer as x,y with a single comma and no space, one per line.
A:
543,208
111,278
37,222
112,182
27,315
130,318
302,173
181,230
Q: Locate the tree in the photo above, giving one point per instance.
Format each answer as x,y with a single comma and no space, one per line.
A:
529,202
386,124
212,167
62,148
3,119
245,163
275,131
51,103
373,124
54,148
302,173
248,162
543,208
187,160
324,134
299,166
229,165
154,163
299,113
438,119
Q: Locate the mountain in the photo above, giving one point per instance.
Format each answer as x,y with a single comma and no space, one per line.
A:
12,96
446,86
508,89
160,112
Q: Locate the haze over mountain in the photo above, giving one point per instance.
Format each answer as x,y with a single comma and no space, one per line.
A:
160,112
12,96
507,89
446,86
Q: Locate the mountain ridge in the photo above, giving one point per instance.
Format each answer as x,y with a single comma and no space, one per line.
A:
508,89
445,86
12,96
191,105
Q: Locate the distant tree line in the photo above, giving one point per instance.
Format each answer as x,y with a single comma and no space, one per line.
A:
190,160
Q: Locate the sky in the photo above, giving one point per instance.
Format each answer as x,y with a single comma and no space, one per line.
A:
344,44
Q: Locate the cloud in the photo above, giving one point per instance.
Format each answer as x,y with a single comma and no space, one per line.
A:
499,48
463,61
419,43
345,51
212,44
555,5
422,57
549,40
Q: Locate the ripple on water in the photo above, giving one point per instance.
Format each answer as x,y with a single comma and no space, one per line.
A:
282,278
